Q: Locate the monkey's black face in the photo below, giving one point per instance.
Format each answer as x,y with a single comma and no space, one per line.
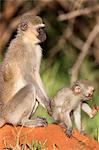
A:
42,34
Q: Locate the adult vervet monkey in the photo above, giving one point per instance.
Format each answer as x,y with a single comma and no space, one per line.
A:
21,87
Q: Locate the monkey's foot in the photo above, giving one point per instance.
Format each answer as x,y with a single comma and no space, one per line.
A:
69,132
41,122
35,122
62,125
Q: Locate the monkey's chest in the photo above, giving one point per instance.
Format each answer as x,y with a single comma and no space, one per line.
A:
36,55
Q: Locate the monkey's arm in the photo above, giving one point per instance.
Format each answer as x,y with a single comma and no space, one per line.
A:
86,108
42,96
39,81
42,99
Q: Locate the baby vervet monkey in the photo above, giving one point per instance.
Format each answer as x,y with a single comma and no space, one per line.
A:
72,100
21,87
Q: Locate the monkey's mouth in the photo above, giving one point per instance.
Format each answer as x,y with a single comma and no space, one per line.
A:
89,97
42,35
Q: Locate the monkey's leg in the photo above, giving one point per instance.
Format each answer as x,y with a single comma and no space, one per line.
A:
68,123
56,114
19,109
85,107
35,122
77,117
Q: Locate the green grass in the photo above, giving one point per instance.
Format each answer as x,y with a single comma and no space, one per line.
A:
41,112
34,145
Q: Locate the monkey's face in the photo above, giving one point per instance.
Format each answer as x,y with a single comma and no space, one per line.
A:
84,88
89,92
33,29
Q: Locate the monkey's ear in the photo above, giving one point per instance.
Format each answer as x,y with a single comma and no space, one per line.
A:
23,26
77,89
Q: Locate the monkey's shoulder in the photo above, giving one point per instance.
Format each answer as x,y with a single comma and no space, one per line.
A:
14,44
63,91
61,95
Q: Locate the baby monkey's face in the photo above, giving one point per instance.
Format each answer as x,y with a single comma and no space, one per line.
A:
89,92
84,88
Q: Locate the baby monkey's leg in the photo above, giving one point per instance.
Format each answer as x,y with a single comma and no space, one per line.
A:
68,123
19,109
77,117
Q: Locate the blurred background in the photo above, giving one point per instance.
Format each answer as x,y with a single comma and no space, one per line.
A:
71,50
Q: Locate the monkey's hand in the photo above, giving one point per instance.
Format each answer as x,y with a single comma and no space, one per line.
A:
94,111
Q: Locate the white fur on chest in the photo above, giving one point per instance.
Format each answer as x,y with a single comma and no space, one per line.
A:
38,54
35,51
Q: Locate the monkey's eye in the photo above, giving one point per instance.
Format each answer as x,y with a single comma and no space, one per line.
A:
23,26
93,90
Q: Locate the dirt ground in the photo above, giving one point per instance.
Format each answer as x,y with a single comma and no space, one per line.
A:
52,135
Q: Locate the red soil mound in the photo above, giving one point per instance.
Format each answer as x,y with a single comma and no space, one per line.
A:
53,135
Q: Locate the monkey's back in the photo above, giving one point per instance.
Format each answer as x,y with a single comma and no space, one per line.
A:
59,98
65,99
17,67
